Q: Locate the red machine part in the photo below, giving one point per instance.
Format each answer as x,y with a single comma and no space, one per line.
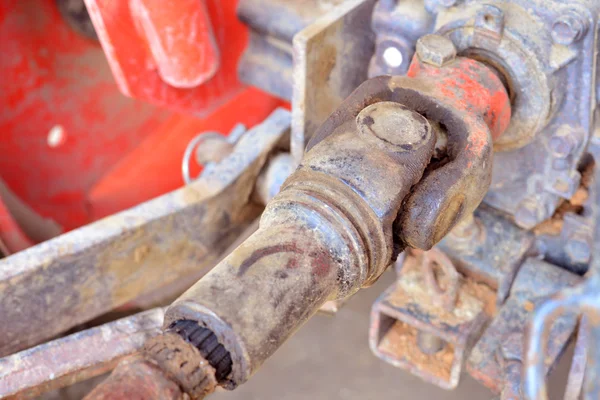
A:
64,125
166,62
179,38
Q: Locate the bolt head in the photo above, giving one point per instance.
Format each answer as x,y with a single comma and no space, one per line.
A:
531,212
568,28
435,50
525,216
561,145
395,125
560,164
578,250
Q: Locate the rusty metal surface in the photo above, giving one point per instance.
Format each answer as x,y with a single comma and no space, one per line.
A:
573,390
545,54
408,310
281,275
534,283
75,277
267,61
583,299
76,357
552,89
182,362
137,379
325,68
491,250
472,109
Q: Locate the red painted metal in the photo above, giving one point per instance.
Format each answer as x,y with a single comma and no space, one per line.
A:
158,157
64,123
179,38
465,83
134,62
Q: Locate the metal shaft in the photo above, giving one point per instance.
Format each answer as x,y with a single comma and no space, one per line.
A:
324,236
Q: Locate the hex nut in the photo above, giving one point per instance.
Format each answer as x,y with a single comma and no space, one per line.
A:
435,50
578,250
568,28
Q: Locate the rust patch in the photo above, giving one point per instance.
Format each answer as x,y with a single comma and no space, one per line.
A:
401,341
136,379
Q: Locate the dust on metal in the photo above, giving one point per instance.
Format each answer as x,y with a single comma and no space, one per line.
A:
171,240
76,357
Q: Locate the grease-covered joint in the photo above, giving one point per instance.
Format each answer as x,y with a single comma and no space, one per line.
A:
323,237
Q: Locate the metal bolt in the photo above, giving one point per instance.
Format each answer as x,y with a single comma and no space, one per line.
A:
467,235
395,124
435,50
561,185
568,28
491,19
511,348
429,343
562,145
531,212
578,249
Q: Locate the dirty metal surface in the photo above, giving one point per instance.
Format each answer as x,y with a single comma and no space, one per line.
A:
325,69
574,387
490,250
397,26
75,277
408,310
545,54
180,360
548,133
137,379
534,283
267,61
272,283
583,299
472,109
77,357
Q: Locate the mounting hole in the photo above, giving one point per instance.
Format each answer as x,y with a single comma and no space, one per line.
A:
393,57
488,19
56,136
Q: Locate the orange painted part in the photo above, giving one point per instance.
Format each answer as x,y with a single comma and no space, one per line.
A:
466,83
158,158
133,58
180,39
